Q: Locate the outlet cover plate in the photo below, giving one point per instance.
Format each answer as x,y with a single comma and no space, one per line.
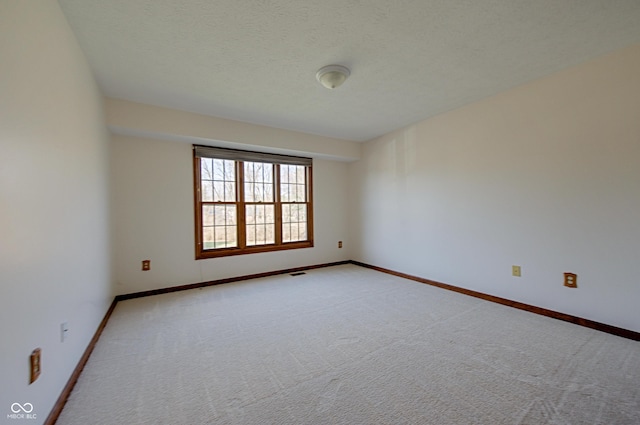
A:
516,271
571,280
34,365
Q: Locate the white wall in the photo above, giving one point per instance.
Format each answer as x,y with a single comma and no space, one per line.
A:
545,176
152,205
54,215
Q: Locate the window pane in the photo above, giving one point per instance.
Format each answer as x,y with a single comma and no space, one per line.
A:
207,238
259,213
258,170
251,234
257,192
229,191
286,213
206,170
270,216
300,193
219,215
300,175
302,229
292,173
268,175
248,172
220,237
232,236
250,211
284,174
294,232
218,191
218,169
248,192
271,234
260,234
207,215
267,192
231,215
267,172
229,170
286,232
207,191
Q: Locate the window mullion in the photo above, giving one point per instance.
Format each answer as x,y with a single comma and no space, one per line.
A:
309,201
278,204
241,218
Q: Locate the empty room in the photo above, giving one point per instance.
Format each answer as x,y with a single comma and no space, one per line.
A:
340,212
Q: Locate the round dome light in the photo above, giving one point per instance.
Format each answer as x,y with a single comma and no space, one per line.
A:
332,76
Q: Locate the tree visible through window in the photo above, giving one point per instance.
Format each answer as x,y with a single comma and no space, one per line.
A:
251,202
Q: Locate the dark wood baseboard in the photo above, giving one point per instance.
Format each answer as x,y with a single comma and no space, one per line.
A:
226,280
66,391
603,327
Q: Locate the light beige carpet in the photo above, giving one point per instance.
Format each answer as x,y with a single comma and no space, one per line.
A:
348,345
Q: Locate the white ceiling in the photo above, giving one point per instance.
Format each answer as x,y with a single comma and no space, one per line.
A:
255,60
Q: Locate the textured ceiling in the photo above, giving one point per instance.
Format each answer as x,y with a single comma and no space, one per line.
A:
255,60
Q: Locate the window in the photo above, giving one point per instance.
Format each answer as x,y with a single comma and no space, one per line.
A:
248,202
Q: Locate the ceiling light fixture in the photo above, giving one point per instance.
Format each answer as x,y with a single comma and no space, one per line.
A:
332,76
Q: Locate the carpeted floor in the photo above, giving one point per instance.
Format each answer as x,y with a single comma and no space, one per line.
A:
348,345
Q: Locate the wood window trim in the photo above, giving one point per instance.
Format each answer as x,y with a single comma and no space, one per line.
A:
242,248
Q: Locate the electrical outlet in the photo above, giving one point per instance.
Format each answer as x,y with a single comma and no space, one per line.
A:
515,271
146,265
34,365
339,244
571,280
64,331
